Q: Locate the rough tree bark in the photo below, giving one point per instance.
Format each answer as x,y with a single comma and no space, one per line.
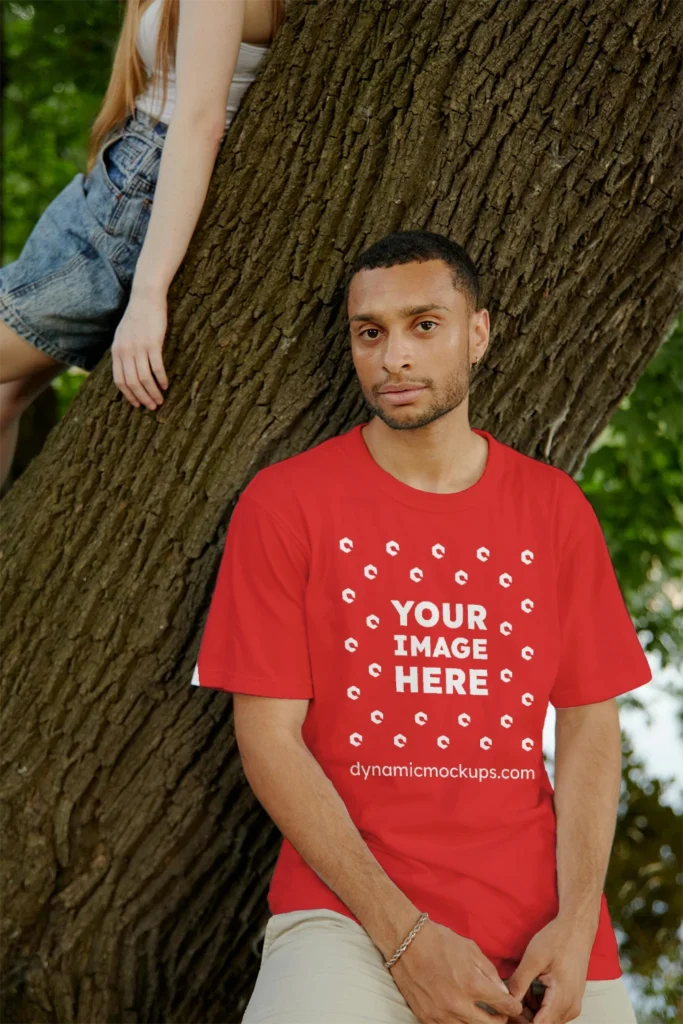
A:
544,137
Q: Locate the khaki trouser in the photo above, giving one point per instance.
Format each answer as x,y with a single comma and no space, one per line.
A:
327,970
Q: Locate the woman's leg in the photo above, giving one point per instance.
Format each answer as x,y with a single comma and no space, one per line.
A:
25,371
19,358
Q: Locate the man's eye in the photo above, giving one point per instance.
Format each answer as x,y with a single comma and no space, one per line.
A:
362,333
427,322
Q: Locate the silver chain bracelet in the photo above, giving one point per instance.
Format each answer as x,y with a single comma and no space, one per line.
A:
406,941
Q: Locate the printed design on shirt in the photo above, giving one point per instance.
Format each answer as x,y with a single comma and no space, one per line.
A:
411,614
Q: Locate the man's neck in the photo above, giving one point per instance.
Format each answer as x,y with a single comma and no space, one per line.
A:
441,457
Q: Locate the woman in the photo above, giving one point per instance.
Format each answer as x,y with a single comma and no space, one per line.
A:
96,269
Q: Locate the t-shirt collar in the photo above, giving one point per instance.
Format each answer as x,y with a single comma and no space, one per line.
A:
481,493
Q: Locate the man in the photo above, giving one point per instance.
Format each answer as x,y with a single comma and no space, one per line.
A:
394,609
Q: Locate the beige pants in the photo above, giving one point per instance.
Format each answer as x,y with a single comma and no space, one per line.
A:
320,967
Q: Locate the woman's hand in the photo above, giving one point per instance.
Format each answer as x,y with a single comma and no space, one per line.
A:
136,349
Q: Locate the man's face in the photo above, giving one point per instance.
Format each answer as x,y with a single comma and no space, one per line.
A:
409,324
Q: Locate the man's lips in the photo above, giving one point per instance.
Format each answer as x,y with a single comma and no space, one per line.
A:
391,388
402,395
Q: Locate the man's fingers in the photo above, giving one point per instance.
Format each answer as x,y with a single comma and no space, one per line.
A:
554,1009
526,1015
490,973
481,1011
503,1003
523,1018
519,981
494,991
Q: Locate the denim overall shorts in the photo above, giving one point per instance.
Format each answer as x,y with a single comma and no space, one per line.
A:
69,288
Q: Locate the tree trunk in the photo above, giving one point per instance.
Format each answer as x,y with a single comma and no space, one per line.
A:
545,138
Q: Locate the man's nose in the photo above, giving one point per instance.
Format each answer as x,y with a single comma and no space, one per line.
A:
397,353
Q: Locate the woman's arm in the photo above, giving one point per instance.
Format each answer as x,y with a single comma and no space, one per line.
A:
209,36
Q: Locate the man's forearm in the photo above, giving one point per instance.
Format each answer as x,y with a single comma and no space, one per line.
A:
587,785
302,801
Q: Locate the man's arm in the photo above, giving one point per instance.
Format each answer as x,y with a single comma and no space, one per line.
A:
302,801
587,786
442,975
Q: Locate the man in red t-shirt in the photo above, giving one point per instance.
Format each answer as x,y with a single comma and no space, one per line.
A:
394,610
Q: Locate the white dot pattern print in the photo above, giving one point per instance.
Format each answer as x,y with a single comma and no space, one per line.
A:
431,613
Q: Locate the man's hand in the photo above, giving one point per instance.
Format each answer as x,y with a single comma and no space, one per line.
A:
136,349
558,956
444,976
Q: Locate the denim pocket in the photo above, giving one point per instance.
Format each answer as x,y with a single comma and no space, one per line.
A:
129,164
111,168
119,192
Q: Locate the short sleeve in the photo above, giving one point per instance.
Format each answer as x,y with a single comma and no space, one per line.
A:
255,638
600,653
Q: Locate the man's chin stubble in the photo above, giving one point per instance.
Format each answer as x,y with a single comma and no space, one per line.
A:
415,418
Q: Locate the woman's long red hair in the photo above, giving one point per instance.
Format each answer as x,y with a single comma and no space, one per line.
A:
129,76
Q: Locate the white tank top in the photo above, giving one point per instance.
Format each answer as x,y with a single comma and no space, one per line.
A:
249,57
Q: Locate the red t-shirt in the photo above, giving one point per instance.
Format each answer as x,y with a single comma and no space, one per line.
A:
429,631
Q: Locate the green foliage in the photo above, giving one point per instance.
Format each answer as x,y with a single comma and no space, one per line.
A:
58,56
643,887
67,385
634,478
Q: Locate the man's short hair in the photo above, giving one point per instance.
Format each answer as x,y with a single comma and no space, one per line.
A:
417,245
